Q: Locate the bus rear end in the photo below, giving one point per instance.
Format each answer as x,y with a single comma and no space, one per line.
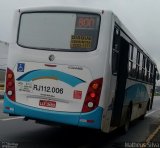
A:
51,74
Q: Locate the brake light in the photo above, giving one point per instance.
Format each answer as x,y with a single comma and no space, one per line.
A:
93,95
10,85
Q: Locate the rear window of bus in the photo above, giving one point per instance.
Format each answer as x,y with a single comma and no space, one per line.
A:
59,31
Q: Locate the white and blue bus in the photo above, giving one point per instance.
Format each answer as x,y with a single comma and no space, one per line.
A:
77,66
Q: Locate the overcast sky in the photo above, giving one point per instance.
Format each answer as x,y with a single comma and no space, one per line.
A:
141,17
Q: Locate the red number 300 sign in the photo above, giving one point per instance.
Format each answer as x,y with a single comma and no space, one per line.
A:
86,22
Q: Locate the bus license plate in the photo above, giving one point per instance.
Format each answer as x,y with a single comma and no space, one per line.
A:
47,103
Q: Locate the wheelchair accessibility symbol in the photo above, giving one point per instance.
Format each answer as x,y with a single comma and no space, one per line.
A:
20,67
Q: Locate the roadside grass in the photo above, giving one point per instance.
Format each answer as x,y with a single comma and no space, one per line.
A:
157,94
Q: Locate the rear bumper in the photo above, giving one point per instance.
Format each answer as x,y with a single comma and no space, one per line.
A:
91,119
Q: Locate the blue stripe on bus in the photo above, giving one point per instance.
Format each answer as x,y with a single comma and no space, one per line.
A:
55,116
38,74
136,93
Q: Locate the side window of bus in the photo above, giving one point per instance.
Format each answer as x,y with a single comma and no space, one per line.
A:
134,74
130,64
138,65
143,67
115,51
148,70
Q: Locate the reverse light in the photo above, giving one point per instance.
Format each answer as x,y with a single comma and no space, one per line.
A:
9,93
93,95
10,85
90,104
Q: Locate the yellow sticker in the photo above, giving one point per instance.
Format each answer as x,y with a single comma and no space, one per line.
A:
78,41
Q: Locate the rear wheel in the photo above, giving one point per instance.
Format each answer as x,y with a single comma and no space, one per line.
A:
127,120
147,108
148,105
142,117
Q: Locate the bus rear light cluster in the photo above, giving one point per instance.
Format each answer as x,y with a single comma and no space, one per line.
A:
93,95
10,85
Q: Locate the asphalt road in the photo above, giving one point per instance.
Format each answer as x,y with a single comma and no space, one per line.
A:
17,133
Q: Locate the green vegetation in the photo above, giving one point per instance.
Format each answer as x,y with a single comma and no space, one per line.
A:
157,94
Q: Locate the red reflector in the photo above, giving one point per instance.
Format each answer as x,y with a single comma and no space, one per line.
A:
8,108
49,65
90,121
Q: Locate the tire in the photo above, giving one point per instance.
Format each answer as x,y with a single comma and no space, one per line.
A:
143,116
125,128
148,105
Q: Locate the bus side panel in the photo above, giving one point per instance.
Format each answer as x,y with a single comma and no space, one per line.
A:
107,91
137,96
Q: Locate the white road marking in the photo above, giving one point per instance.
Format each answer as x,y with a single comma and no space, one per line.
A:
152,135
152,112
8,119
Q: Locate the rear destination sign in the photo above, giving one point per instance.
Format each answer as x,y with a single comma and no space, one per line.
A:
78,41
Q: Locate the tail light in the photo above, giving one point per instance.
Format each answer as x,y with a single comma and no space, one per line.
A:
93,95
10,85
